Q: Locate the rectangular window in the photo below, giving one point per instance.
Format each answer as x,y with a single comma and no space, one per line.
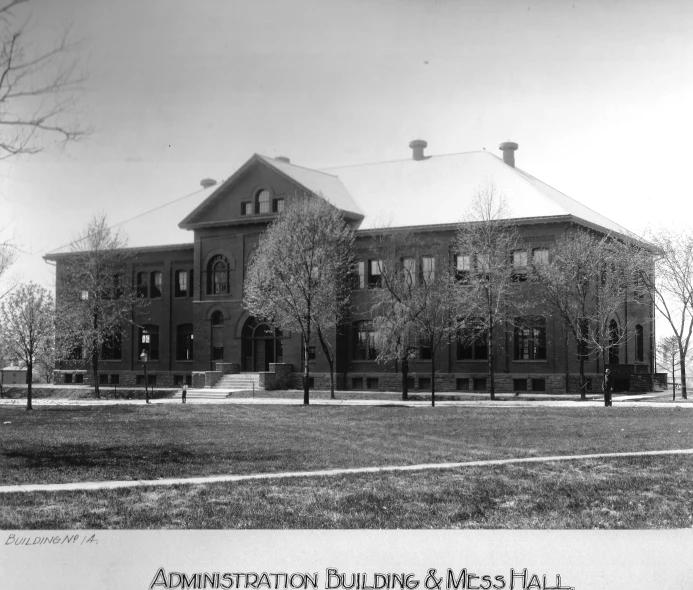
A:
409,269
411,383
115,379
84,295
479,384
188,380
472,342
156,284
362,274
112,347
184,342
428,269
311,382
311,353
278,205
142,285
424,383
519,384
520,265
218,353
181,289
149,342
530,339
374,272
139,380
79,378
357,382
462,384
68,377
538,384
178,380
191,284
364,342
246,208
540,256
372,383
151,380
103,379
463,267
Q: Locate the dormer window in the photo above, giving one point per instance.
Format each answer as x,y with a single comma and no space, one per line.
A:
247,208
262,201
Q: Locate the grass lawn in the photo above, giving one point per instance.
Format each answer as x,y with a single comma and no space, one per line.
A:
629,493
57,444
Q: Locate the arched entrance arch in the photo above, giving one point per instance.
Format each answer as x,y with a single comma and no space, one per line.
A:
261,344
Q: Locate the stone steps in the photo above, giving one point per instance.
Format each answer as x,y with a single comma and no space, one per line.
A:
239,381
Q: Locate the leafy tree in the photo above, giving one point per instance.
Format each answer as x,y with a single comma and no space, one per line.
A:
26,326
668,349
586,283
95,299
300,276
38,89
487,281
670,286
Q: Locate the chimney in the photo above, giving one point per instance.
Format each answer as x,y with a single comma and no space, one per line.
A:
508,148
207,182
283,159
417,147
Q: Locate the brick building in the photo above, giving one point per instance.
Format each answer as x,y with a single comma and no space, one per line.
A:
195,329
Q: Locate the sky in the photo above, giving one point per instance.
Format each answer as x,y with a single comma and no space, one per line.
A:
597,94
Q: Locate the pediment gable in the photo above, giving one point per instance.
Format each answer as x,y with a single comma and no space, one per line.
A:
259,188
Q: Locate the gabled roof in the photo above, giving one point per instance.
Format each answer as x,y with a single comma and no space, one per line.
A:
439,190
316,182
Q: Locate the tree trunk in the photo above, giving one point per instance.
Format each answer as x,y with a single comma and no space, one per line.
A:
306,368
491,368
673,377
95,373
682,364
405,377
330,361
433,376
583,381
30,378
566,358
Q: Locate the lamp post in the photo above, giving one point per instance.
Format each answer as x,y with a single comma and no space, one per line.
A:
144,357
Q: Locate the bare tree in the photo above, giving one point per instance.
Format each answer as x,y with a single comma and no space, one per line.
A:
300,277
95,299
414,304
670,285
586,284
485,244
38,89
8,255
668,349
26,326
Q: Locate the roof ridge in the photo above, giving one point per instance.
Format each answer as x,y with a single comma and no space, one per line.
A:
297,166
402,160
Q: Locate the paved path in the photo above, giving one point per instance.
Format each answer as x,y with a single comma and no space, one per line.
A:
111,485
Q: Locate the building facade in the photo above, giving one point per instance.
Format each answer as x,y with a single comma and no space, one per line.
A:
196,331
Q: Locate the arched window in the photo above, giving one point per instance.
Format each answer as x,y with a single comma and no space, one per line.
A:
184,342
262,201
218,275
639,344
217,318
530,338
155,284
148,342
614,338
364,342
142,284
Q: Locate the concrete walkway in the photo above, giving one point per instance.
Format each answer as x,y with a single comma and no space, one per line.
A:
111,485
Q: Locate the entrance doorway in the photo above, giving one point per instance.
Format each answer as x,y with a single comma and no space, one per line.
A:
261,344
